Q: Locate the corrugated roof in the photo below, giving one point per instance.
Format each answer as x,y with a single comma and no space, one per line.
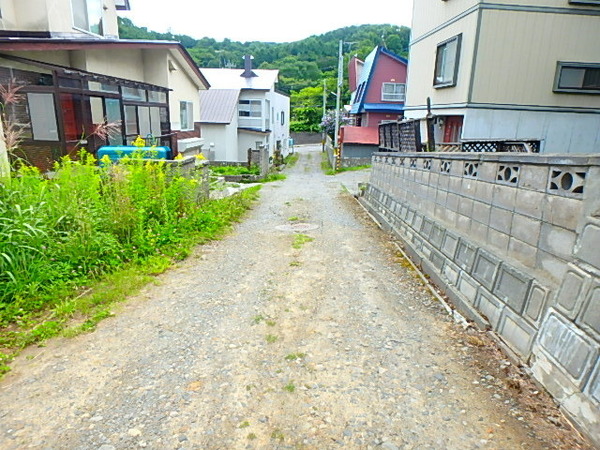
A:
359,135
232,79
218,105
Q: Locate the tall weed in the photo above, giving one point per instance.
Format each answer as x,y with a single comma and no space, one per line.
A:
60,234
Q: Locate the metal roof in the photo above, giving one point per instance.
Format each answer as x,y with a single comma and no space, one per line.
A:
232,79
359,135
218,105
51,44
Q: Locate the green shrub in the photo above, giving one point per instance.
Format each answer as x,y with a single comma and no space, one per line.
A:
58,235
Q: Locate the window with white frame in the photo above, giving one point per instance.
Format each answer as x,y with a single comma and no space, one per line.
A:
250,108
393,92
577,78
446,62
186,115
87,15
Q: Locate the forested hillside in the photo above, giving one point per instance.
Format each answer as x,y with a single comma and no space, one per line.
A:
302,65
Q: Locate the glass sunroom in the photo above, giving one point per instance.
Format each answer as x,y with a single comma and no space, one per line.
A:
59,108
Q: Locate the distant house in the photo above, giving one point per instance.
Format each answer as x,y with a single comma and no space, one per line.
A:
378,87
242,111
501,70
76,74
357,145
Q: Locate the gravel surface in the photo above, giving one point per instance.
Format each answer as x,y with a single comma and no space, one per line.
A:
252,343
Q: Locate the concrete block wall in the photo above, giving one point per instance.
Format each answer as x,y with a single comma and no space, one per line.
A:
514,241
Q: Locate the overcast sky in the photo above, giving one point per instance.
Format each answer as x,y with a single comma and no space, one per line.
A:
263,20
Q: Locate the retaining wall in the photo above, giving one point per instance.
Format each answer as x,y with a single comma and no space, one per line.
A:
514,241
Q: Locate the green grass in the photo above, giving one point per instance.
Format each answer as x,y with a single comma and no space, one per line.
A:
273,176
271,338
73,247
290,387
294,356
301,239
328,170
325,165
235,170
291,159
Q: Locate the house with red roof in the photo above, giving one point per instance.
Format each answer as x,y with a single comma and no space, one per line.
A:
378,87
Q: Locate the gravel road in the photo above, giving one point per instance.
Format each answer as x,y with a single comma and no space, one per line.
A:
252,343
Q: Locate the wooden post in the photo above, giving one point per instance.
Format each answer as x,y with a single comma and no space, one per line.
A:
430,136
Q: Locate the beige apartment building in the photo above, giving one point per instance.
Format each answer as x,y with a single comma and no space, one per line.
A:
75,73
518,70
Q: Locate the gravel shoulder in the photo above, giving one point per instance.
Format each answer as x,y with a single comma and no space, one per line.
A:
252,343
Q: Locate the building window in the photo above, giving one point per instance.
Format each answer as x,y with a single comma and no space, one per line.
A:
250,108
282,117
578,78
87,15
393,92
43,116
186,114
446,62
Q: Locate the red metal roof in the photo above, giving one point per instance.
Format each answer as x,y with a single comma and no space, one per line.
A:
359,135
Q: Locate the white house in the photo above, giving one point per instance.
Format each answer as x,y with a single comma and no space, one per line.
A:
508,70
242,110
75,73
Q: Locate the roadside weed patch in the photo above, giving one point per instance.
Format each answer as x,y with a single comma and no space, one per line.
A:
295,264
235,170
277,434
271,338
258,319
290,387
294,356
291,159
73,245
301,239
273,176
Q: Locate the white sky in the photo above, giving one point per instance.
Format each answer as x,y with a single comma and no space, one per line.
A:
263,20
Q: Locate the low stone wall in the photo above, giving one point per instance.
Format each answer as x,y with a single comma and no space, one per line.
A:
514,241
346,162
303,138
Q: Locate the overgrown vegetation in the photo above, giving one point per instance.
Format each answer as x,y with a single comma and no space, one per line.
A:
72,245
235,170
291,159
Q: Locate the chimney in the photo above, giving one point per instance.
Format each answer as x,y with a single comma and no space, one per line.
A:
248,67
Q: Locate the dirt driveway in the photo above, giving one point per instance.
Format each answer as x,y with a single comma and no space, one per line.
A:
272,338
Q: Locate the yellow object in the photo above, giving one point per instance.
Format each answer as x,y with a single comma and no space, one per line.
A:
139,142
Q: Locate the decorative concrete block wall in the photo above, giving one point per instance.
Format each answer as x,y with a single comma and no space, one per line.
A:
514,241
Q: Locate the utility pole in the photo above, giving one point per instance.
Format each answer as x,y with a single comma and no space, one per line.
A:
324,111
339,93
